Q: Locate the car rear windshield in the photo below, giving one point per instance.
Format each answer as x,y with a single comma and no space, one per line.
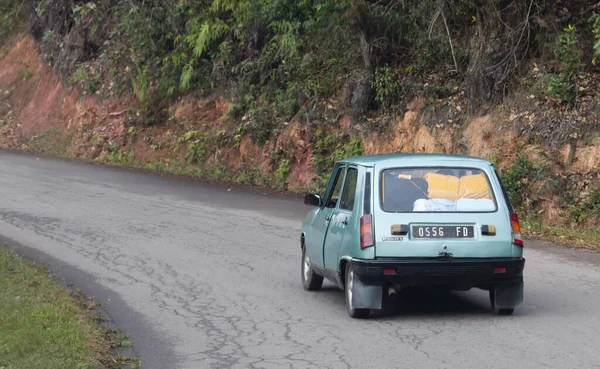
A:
436,190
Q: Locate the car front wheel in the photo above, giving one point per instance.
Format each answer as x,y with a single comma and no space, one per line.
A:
352,311
310,280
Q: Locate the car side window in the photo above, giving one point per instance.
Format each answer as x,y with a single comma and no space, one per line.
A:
337,189
349,193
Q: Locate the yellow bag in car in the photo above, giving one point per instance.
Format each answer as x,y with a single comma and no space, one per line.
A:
474,187
442,186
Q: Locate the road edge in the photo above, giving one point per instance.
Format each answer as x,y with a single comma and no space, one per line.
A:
147,342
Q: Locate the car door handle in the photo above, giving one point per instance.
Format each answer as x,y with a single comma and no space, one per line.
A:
328,218
345,222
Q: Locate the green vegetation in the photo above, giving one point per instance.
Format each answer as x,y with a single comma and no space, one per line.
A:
12,13
282,54
280,58
282,172
115,155
252,176
27,73
196,152
43,326
586,208
566,52
595,23
330,148
51,142
386,85
89,79
581,236
527,182
140,83
275,50
196,147
519,180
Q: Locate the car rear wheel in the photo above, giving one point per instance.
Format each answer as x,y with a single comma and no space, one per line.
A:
353,312
311,281
493,304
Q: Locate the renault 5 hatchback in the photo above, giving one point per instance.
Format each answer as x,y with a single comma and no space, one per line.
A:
386,222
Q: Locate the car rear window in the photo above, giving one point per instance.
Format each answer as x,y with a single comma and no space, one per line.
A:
436,190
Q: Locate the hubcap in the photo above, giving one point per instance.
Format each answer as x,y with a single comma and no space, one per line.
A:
349,288
306,266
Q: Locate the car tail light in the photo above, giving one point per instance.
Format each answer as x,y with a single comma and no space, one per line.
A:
366,231
514,221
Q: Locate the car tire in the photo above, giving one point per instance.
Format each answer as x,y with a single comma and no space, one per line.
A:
311,281
349,280
493,304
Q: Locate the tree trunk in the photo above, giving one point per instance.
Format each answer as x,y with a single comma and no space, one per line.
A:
362,94
479,84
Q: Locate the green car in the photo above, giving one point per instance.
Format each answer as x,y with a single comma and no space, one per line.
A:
386,222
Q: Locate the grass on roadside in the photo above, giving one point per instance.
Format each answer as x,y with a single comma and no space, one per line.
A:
42,325
581,236
51,142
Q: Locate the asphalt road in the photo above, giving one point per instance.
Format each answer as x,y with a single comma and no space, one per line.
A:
206,278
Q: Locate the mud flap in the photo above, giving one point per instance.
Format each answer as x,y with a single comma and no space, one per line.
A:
366,296
508,296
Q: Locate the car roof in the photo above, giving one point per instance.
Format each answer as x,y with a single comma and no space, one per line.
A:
388,160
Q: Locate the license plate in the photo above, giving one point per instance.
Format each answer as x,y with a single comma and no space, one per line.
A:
443,232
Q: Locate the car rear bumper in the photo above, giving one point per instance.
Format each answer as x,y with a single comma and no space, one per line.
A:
452,272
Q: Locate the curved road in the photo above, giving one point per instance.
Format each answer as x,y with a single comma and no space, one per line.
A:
206,278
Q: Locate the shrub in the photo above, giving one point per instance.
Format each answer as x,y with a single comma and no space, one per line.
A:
196,147
252,176
196,152
586,208
90,81
566,52
329,149
519,179
386,86
286,102
115,155
595,22
282,172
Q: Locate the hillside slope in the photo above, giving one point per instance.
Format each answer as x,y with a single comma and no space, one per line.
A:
273,93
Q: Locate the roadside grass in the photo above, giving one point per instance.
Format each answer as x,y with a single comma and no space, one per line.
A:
51,142
43,325
586,237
